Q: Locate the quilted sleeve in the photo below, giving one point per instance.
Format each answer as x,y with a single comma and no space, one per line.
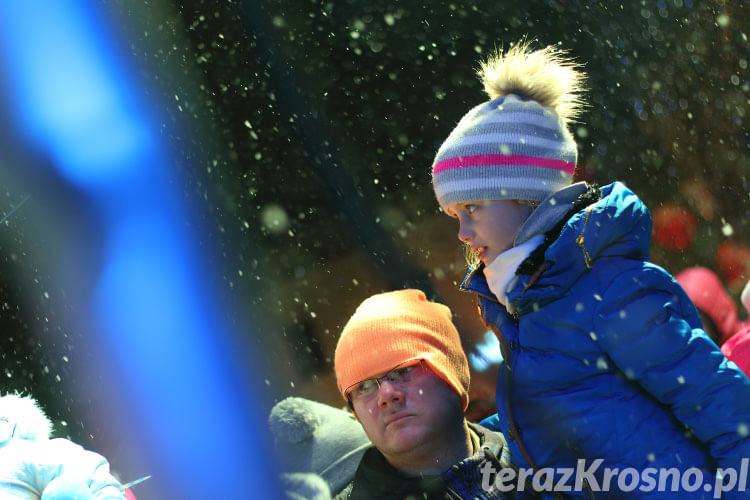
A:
650,330
67,470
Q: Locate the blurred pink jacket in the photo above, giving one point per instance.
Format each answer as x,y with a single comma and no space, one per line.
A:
708,294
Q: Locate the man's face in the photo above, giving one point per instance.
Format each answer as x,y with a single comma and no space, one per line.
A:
410,418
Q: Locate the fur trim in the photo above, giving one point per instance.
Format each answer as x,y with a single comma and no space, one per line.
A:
24,417
546,76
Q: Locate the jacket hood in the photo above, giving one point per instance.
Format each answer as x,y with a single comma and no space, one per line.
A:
617,225
312,437
22,418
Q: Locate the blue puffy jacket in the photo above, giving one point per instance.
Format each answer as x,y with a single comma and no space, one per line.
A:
605,357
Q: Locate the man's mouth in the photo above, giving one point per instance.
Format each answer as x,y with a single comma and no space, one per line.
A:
396,417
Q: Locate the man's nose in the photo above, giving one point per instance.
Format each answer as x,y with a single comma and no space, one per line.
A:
389,393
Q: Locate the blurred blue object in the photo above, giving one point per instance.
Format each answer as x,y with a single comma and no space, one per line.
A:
73,98
487,353
188,394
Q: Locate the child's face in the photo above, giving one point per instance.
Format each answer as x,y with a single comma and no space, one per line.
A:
489,227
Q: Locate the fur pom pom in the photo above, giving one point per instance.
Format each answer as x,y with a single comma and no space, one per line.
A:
24,416
546,75
293,420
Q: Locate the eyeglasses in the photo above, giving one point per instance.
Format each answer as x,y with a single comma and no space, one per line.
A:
402,374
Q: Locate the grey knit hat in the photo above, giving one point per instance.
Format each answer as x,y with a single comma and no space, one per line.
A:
517,145
312,437
508,148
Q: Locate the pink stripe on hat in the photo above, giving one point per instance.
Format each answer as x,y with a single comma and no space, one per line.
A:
487,160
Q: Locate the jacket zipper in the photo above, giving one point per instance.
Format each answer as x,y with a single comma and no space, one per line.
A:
513,431
579,240
514,434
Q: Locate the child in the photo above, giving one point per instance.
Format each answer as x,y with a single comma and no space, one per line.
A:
604,356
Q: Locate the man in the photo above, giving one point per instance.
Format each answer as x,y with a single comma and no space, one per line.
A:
400,366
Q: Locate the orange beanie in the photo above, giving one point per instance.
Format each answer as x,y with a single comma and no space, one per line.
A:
391,328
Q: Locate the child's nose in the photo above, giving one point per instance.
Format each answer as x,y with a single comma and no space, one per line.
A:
465,233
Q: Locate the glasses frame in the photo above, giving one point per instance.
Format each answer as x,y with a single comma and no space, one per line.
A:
414,362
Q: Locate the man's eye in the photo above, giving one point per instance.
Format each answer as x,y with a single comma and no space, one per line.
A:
470,208
364,387
402,373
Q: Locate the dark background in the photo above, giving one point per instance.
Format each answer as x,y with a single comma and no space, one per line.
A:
308,131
